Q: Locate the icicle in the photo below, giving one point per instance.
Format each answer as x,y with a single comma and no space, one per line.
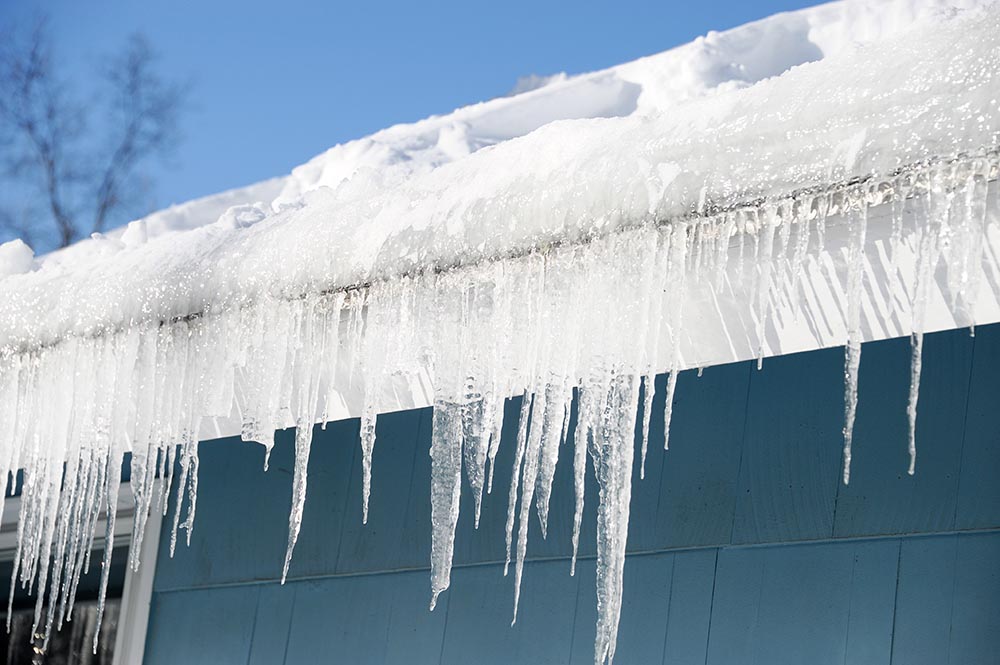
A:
649,390
852,358
529,475
765,268
515,474
916,360
368,418
446,487
677,275
303,444
928,252
612,453
556,418
495,434
585,412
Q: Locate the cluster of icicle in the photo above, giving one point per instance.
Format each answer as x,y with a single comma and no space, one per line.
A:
591,321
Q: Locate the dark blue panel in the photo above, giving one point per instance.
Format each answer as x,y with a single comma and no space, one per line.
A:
882,498
755,458
979,489
792,449
480,608
201,627
414,634
272,623
241,528
402,440
690,611
826,603
365,619
975,620
697,477
336,620
924,601
804,602
645,609
872,605
738,578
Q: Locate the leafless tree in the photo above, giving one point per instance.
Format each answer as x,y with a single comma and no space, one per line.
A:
66,175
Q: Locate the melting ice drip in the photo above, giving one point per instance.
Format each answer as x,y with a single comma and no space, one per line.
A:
592,322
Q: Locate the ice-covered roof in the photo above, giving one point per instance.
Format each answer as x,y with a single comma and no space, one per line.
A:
856,88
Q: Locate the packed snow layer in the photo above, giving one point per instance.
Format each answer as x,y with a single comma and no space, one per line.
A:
408,198
849,199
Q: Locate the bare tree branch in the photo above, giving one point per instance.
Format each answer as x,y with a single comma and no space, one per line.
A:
146,110
44,145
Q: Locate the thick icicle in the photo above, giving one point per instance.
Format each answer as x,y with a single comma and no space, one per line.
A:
529,476
612,452
446,487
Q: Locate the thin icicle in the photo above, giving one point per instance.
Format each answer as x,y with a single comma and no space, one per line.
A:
585,412
928,253
677,272
648,391
529,475
475,449
858,223
515,474
368,418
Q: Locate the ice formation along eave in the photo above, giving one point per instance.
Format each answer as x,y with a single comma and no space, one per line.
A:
541,319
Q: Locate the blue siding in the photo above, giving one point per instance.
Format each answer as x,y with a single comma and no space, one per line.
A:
745,547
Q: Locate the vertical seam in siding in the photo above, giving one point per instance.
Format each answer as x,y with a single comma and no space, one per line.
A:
576,616
711,606
345,511
951,609
444,630
253,626
965,434
739,468
670,602
291,618
895,601
850,603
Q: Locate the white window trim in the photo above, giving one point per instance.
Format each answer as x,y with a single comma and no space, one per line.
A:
133,616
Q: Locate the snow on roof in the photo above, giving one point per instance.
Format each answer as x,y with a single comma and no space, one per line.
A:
572,240
653,138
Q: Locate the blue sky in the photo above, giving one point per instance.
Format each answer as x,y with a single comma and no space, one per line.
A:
273,84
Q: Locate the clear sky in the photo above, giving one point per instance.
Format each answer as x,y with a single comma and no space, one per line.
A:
274,83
